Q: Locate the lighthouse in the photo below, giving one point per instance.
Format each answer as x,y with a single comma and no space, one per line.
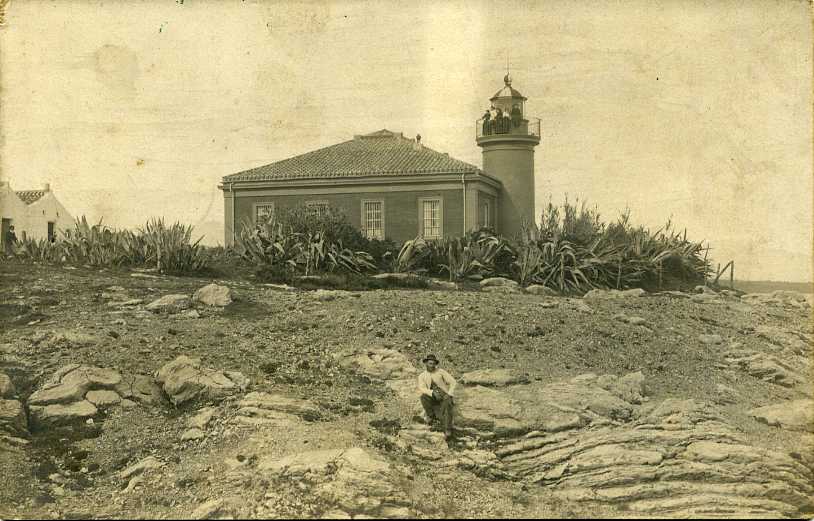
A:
508,137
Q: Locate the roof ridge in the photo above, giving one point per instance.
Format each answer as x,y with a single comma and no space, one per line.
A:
364,155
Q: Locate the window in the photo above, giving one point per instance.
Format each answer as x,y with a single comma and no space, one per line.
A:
318,208
431,218
263,211
373,219
484,215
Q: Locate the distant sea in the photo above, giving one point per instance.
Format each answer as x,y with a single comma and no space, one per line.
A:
767,286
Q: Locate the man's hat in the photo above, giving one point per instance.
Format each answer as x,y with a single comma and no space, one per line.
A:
429,358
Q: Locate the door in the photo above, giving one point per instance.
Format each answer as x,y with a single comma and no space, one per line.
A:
51,236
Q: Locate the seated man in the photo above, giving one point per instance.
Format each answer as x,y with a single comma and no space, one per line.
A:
437,389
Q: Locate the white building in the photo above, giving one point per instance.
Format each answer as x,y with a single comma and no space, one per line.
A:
35,214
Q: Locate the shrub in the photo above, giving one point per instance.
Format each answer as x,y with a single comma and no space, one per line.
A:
284,245
334,226
577,251
168,248
38,250
410,257
474,255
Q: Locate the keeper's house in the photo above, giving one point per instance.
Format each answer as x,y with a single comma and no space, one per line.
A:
397,188
35,214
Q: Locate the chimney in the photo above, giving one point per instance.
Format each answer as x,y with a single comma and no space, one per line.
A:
46,187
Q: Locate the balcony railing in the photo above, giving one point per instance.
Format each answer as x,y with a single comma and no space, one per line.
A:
499,126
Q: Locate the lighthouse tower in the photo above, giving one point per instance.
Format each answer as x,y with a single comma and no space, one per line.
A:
508,137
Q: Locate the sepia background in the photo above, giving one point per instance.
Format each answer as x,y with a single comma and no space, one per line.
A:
699,111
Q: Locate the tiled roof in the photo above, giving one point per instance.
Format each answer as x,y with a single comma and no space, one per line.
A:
379,153
30,196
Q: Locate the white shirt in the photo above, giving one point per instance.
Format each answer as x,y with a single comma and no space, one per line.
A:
439,377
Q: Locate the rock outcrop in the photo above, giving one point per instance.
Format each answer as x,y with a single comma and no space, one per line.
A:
350,481
13,420
73,393
678,460
796,415
258,408
169,304
614,293
383,364
493,378
213,295
184,380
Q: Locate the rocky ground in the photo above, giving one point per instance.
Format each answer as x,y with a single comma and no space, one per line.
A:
129,394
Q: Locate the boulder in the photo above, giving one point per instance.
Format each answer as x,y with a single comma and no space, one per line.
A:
43,416
725,395
258,408
634,321
795,342
103,399
13,419
398,277
768,367
443,285
498,282
185,380
712,339
705,298
147,464
510,290
140,388
578,305
202,418
614,293
6,387
66,339
493,378
70,384
539,289
192,435
629,388
213,295
675,294
169,304
384,364
327,295
796,415
217,509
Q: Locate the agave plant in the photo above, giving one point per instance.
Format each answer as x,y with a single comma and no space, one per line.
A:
410,255
528,264
39,250
169,247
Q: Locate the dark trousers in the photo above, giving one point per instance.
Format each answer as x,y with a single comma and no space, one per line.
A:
443,403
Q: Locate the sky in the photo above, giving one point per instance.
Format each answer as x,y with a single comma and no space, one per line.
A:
699,112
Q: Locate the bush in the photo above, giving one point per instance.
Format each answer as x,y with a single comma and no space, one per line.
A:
573,250
475,255
167,248
299,242
334,226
